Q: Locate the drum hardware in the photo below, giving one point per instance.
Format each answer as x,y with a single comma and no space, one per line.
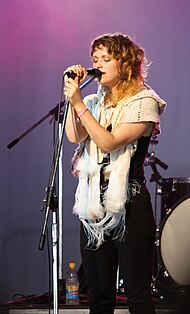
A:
159,190
173,185
158,273
168,211
155,287
172,190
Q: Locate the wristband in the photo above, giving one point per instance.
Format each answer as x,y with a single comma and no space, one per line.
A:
81,113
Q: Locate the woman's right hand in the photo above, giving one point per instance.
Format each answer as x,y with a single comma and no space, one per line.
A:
72,89
80,72
75,131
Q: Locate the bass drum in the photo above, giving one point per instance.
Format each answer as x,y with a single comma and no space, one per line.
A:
174,242
172,190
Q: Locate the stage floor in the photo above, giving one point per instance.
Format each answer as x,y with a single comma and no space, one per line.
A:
82,311
39,304
63,309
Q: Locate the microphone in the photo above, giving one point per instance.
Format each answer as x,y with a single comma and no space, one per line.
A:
91,72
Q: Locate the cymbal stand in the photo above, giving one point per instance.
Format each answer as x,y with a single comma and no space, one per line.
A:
157,178
153,161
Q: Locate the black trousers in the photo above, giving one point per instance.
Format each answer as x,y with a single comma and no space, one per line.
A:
134,255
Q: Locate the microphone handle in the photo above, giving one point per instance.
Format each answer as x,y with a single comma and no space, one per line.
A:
92,72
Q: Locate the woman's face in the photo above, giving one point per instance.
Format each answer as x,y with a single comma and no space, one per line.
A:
108,66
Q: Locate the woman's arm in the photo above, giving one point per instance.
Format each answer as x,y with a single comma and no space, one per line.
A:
122,135
75,131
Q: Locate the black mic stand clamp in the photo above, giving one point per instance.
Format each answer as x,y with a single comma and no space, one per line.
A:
51,202
153,161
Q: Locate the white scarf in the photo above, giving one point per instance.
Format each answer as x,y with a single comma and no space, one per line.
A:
100,220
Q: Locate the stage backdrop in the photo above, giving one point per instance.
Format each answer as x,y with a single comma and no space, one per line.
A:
38,40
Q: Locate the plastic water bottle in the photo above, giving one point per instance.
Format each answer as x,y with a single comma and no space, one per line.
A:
72,285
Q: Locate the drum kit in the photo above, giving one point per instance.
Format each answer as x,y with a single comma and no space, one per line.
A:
171,273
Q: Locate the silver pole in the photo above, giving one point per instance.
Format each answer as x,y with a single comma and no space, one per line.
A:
60,213
55,282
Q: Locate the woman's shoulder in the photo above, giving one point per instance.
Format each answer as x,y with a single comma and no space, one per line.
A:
147,96
147,92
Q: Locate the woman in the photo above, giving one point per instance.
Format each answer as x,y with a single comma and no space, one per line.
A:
114,128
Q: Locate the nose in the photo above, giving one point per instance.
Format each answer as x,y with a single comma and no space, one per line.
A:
99,64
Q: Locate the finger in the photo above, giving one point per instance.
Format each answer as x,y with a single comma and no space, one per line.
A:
72,83
77,69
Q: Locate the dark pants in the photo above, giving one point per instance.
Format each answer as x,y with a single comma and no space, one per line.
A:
134,256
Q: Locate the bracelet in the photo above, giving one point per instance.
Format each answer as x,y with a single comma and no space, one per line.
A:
81,113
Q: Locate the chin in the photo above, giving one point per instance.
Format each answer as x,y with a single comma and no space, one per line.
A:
103,82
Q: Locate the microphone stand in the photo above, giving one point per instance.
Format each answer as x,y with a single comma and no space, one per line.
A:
50,206
51,189
53,112
51,202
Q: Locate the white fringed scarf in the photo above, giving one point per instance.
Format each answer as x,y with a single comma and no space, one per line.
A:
100,220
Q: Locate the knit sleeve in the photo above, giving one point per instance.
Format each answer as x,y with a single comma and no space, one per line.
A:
144,109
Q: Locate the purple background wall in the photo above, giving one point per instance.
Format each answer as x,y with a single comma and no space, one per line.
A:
38,40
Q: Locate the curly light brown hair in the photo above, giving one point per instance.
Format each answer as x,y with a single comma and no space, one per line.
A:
131,59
